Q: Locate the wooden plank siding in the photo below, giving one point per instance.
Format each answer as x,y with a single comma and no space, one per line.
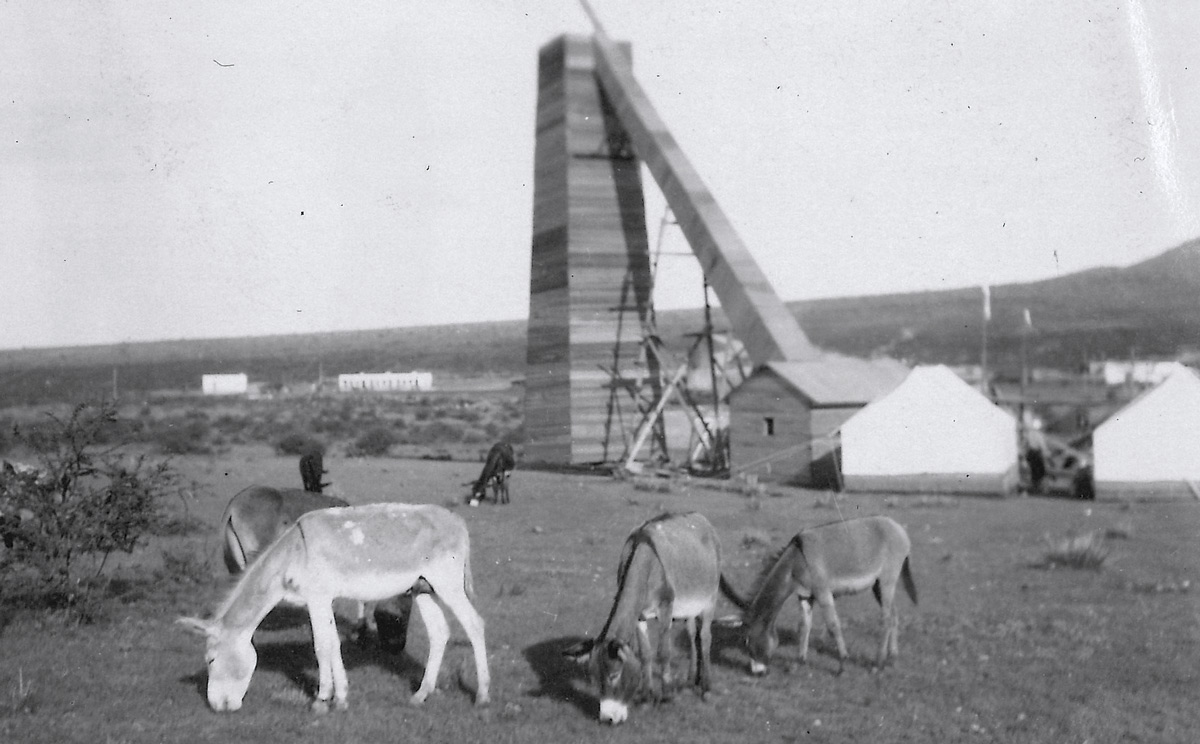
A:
800,447
781,454
590,274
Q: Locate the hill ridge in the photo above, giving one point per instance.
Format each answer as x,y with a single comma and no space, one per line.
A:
1146,309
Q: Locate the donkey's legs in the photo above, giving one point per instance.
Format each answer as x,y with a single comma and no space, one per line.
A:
364,622
438,631
645,653
805,629
331,672
455,598
693,650
703,643
825,599
666,648
889,648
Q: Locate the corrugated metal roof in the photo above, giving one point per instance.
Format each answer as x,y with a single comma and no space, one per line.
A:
841,380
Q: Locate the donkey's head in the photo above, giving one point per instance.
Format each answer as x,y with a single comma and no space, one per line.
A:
762,638
759,635
231,659
617,671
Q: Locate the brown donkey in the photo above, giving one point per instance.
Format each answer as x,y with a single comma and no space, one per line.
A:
819,564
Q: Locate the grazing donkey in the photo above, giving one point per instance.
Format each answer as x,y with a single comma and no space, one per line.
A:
312,469
496,469
669,570
366,553
257,515
818,564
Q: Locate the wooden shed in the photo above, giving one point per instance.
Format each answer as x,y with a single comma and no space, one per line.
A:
783,418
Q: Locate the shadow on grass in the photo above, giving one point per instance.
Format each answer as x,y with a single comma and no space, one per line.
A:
297,661
560,678
729,650
568,681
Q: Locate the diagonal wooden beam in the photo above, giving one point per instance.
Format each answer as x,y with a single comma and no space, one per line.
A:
759,318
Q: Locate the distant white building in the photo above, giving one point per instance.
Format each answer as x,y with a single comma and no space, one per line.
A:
1143,372
227,384
385,381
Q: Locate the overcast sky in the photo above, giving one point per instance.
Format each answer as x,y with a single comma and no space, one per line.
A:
199,169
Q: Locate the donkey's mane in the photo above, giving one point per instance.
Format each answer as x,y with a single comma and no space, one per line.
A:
768,566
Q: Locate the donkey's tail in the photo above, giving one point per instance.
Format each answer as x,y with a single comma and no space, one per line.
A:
468,582
732,595
909,585
234,553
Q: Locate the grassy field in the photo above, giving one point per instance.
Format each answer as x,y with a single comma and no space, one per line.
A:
1001,648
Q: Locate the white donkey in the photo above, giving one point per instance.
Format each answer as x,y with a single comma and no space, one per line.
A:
366,553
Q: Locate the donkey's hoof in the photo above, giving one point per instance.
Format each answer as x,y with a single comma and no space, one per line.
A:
421,695
482,701
320,707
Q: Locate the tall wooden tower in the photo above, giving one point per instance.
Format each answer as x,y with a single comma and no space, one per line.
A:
590,280
590,277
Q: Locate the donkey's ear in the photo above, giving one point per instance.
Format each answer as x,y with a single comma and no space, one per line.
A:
729,621
194,625
579,652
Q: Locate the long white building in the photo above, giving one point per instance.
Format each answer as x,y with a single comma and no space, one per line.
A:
385,381
225,384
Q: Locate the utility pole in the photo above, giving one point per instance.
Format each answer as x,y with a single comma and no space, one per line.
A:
983,354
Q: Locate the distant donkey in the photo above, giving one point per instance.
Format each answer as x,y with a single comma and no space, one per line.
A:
312,468
496,469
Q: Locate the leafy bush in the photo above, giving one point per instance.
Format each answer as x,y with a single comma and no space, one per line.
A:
374,443
188,437
437,431
83,499
297,443
1086,550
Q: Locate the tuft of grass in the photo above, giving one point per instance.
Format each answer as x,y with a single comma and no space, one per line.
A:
1122,530
1085,550
20,697
652,486
827,500
510,590
753,538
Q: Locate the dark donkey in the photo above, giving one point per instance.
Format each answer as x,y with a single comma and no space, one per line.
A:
818,564
496,469
312,469
669,570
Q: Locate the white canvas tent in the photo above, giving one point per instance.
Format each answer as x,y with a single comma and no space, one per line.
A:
933,433
1151,447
